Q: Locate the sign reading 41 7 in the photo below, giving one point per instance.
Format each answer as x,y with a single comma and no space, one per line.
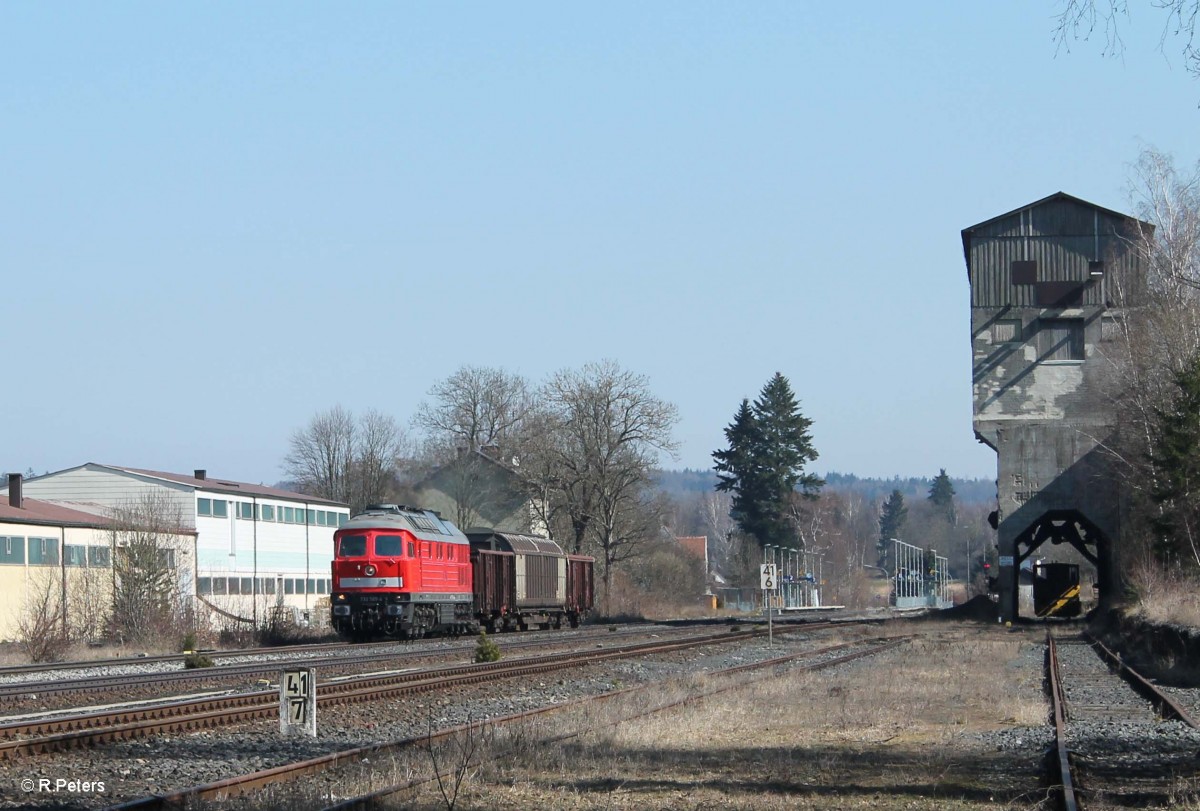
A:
298,702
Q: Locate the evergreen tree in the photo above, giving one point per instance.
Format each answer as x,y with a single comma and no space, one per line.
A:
1176,463
941,496
738,470
769,446
891,522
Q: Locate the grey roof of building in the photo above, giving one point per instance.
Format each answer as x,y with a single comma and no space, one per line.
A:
227,486
1058,195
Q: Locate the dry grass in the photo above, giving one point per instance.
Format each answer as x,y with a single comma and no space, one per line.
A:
1166,597
895,733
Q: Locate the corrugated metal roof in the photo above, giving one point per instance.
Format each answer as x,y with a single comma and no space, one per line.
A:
225,485
514,542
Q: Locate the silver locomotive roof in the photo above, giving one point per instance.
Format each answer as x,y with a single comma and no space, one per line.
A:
425,524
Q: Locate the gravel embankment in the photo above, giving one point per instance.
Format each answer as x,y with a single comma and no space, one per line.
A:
134,769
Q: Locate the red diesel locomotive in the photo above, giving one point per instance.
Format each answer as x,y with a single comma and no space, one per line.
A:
405,572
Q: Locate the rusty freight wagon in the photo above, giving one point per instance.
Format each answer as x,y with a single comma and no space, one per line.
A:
524,581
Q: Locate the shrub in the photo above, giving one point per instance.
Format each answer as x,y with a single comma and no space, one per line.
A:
193,660
486,650
189,642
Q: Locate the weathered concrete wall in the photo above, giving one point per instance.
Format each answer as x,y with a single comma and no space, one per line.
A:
1042,374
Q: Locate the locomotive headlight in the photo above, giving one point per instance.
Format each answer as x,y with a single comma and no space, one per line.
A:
369,570
341,596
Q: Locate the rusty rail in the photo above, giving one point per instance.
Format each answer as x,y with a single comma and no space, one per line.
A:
1059,707
1163,704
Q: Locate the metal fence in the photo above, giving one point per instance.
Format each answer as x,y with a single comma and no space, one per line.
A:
920,577
801,574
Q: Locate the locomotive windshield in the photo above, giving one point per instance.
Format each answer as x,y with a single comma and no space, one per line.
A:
388,546
352,546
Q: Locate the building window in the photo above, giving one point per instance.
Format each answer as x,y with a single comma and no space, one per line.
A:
220,508
267,586
268,512
1006,331
312,587
12,549
219,585
342,519
289,586
247,585
311,516
1060,339
204,506
43,551
99,556
204,585
289,515
75,555
1024,271
245,510
321,586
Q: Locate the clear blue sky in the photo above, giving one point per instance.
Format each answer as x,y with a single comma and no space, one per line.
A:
219,219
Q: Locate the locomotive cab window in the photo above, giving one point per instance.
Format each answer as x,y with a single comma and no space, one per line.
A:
411,552
352,546
388,546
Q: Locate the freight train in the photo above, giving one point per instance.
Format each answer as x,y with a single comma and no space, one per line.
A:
405,572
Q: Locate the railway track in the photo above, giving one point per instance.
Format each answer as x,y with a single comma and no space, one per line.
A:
16,693
1119,740
177,658
243,785
31,738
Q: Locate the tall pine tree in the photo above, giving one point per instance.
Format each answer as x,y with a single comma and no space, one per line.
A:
769,446
891,523
941,496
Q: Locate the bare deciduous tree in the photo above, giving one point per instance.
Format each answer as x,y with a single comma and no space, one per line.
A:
321,454
343,459
608,432
379,444
40,632
719,526
1081,19
1157,331
476,407
143,535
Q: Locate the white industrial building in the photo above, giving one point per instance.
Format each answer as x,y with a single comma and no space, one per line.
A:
255,546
